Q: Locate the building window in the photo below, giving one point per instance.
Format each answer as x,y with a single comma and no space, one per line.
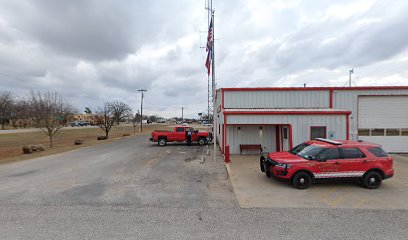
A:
219,128
317,132
377,132
285,133
364,132
392,132
404,132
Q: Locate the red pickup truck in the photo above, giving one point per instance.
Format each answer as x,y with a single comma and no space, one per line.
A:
179,134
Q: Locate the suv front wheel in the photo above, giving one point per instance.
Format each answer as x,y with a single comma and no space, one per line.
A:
302,180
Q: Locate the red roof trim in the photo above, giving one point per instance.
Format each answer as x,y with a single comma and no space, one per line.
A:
317,88
289,113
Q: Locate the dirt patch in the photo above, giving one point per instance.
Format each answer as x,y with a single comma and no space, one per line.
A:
11,143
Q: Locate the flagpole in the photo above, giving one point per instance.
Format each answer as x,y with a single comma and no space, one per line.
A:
213,82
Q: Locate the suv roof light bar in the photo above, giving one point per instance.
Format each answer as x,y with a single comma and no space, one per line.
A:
329,141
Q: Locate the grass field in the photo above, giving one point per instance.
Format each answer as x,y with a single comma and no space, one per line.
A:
11,143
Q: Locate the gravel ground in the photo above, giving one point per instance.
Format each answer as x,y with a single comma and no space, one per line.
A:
132,189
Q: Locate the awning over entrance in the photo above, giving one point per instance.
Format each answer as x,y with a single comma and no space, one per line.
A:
281,129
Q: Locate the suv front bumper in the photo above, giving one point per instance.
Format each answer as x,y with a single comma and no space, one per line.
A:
276,171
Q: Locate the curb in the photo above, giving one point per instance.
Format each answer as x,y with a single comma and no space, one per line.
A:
228,170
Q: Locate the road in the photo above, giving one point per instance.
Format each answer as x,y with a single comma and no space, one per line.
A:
131,189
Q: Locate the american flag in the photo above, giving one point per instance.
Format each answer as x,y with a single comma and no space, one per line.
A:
208,62
210,37
210,42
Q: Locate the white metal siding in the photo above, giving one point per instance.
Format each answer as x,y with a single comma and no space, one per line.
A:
277,99
219,117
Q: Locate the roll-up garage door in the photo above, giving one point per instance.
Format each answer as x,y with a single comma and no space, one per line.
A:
384,120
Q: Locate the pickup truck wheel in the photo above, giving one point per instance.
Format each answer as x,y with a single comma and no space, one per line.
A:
372,180
162,142
201,141
302,180
210,137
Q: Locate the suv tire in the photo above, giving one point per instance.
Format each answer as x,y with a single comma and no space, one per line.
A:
261,164
302,180
267,170
162,142
372,180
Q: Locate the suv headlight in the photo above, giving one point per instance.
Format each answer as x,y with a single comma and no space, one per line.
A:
283,165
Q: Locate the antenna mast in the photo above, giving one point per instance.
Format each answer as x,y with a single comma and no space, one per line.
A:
211,79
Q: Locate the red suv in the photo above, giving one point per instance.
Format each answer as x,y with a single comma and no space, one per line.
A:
321,159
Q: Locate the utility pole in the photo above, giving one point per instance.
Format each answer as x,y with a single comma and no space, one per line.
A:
182,114
350,72
141,109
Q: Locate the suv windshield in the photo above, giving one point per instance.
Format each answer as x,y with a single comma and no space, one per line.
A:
309,152
298,148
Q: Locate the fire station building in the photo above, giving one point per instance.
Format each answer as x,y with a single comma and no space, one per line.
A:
277,119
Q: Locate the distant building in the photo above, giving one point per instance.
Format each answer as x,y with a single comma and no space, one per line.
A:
84,117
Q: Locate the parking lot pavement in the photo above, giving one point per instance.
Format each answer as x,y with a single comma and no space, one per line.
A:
133,189
254,190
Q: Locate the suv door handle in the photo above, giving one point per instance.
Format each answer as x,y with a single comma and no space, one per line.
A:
336,163
365,161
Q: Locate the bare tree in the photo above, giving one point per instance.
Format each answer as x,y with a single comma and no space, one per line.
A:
104,118
49,111
120,111
6,107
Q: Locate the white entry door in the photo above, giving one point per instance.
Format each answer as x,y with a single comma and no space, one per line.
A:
285,138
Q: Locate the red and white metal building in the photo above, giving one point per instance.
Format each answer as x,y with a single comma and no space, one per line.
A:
280,118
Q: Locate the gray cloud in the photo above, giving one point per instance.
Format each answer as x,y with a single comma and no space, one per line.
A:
93,51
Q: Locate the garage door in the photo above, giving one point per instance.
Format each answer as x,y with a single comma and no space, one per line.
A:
384,120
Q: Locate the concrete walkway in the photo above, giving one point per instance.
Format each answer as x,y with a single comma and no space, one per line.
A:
254,190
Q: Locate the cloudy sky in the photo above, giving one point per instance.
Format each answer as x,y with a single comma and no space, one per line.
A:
97,50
